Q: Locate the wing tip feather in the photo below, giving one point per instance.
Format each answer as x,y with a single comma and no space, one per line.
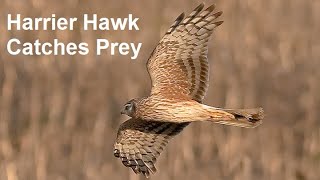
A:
211,8
176,23
180,17
218,23
199,7
218,14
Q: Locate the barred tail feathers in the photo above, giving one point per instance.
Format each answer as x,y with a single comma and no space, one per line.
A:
247,118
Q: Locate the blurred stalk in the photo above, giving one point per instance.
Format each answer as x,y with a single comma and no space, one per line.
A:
8,88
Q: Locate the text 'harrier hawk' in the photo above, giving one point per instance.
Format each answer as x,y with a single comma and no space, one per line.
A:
178,68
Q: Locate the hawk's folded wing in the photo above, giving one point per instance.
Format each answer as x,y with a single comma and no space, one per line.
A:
140,142
178,66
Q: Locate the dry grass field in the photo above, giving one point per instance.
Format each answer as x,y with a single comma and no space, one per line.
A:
59,114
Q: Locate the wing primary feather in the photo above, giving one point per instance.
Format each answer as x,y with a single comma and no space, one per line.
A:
217,14
176,23
206,12
193,14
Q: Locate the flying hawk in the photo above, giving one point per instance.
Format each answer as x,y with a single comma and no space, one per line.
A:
179,72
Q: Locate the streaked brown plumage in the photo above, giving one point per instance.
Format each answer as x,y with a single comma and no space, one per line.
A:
178,68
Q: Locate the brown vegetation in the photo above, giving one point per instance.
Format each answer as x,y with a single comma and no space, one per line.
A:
59,114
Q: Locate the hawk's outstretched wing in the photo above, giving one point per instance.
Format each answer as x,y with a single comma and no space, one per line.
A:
178,66
140,142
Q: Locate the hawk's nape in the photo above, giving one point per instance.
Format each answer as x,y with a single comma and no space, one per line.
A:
140,142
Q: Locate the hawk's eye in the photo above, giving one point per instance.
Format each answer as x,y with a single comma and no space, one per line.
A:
127,107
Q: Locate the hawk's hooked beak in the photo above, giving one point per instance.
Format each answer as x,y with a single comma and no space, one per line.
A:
122,112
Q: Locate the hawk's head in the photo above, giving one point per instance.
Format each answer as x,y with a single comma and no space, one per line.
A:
130,108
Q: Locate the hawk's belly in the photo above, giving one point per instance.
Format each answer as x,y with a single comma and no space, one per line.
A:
179,112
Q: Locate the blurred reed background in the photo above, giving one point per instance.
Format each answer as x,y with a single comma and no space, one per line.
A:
59,114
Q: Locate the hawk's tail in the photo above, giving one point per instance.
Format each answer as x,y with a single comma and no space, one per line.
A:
248,118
